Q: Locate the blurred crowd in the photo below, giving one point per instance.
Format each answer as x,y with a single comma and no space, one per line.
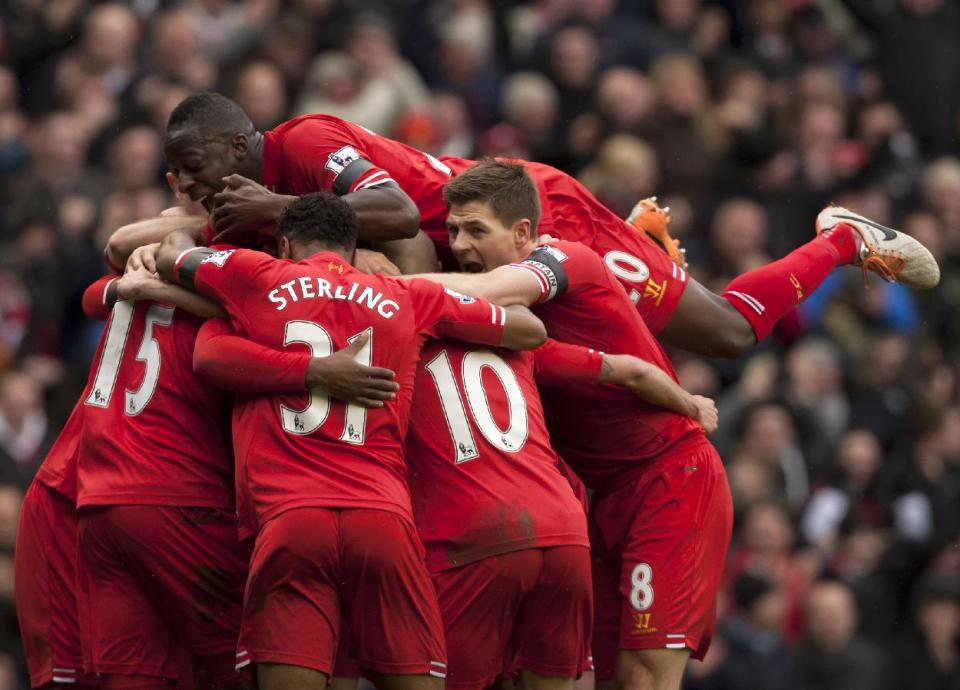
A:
841,437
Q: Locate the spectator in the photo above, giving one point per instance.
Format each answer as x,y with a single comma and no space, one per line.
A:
831,656
930,658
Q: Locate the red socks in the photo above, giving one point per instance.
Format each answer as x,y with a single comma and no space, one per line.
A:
766,295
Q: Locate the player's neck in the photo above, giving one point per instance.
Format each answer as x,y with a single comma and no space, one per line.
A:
303,252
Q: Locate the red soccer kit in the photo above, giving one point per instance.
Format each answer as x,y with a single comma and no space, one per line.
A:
326,481
316,152
661,516
160,562
506,538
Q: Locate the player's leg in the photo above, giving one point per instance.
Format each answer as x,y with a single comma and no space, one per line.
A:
130,643
291,612
479,603
651,669
45,563
672,557
396,634
551,638
287,677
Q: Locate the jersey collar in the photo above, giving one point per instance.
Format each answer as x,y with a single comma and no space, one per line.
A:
329,261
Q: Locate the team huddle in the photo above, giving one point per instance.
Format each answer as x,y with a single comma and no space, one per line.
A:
289,467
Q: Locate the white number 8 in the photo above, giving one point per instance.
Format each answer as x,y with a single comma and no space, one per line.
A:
641,594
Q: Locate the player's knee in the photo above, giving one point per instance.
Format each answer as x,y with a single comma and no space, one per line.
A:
651,669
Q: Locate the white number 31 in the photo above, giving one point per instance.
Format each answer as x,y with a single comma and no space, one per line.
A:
641,592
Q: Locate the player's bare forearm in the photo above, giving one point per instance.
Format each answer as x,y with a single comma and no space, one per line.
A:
385,213
505,285
171,247
648,382
127,238
522,330
415,255
179,297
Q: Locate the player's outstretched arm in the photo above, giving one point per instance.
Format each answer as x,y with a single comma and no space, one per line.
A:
172,246
140,283
237,364
522,330
653,385
127,238
507,285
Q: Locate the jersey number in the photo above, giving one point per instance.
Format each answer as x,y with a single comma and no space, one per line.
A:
149,353
312,417
511,439
628,268
641,590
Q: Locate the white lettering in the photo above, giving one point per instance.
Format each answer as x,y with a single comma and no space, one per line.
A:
288,286
382,309
306,287
369,295
277,299
339,293
353,291
323,288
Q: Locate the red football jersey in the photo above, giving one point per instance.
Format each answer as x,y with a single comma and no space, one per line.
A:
153,434
304,449
316,152
483,476
59,468
583,303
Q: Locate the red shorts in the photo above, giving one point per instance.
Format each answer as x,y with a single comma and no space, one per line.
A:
45,571
527,609
659,545
156,578
652,280
309,561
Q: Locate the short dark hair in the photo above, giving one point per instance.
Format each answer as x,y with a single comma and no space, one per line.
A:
211,114
320,217
506,186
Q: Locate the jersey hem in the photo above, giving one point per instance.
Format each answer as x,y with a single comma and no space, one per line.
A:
437,562
140,499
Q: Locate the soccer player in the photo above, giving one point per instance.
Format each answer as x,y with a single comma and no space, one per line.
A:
325,482
505,537
246,178
161,568
661,514
45,567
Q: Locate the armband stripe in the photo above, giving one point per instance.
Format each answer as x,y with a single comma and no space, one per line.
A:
349,176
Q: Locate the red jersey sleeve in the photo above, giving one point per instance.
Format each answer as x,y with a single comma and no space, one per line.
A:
236,364
442,312
331,156
559,266
227,275
562,364
95,298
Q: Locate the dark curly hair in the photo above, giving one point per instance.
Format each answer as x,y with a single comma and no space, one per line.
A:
211,114
320,217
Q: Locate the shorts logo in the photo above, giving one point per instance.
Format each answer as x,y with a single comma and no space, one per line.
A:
341,158
219,258
641,624
464,299
654,291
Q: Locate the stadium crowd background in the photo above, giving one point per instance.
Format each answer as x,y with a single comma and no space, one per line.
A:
841,437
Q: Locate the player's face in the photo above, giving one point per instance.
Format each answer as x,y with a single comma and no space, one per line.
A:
200,164
481,242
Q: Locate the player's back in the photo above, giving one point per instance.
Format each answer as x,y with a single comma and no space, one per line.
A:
483,476
306,449
153,434
603,435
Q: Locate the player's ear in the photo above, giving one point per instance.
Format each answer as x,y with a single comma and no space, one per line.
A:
283,247
239,145
522,232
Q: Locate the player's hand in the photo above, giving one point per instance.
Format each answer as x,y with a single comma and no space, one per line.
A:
245,208
368,261
707,414
343,378
134,284
144,257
